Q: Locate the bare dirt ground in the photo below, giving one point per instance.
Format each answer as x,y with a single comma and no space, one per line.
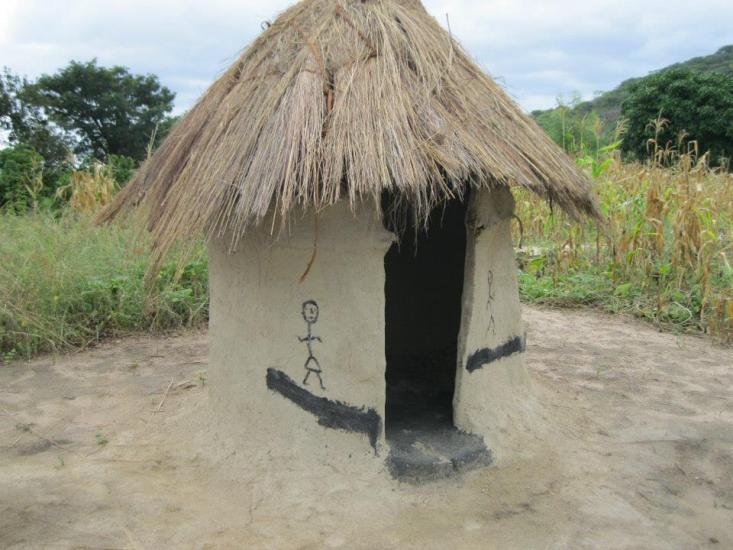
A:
633,449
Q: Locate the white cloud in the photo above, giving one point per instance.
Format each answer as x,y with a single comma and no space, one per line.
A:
10,11
537,49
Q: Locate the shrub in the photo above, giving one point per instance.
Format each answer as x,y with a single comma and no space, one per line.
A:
21,177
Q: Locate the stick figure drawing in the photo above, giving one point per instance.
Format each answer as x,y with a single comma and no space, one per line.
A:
490,306
312,366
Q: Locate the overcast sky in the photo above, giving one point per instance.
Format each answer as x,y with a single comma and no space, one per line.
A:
538,49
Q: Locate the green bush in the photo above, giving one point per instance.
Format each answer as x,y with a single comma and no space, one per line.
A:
65,284
694,107
123,168
21,177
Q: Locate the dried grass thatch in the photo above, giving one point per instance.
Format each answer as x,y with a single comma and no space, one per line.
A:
344,100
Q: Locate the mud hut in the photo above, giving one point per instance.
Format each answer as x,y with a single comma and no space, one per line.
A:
352,173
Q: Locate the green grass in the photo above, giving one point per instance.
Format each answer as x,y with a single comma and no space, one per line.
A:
595,287
66,285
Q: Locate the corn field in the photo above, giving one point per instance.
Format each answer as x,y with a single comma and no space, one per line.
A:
665,252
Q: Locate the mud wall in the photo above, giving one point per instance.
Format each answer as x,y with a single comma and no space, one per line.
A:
269,331
493,396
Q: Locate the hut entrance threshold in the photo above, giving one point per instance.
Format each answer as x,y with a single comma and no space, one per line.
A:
423,311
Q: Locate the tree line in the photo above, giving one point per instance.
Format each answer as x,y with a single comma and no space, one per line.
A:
676,109
81,115
86,114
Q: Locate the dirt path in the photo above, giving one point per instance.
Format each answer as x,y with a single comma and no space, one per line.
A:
634,449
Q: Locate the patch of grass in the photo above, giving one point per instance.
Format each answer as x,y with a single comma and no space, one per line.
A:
596,288
66,284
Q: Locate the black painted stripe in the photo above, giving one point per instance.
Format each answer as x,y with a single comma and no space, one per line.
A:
330,414
483,357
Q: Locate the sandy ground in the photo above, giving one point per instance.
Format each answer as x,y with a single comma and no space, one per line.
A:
633,449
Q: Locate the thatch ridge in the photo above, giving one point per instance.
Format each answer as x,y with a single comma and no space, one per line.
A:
343,100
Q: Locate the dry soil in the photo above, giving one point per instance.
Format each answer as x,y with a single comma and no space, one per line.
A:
633,448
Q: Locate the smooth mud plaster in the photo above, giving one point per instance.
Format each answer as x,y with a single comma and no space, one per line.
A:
298,367
331,325
493,396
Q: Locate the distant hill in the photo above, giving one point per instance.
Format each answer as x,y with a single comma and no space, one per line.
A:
608,104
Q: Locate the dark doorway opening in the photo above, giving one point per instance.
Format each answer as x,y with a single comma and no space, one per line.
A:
423,313
423,291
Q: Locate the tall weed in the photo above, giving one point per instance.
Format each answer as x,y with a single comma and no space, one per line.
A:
66,284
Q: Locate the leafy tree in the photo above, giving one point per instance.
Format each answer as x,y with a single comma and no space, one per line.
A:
5,103
110,110
698,106
26,123
607,105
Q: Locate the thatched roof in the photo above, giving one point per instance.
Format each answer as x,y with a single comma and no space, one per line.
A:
344,99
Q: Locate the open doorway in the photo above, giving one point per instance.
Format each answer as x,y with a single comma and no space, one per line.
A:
423,291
